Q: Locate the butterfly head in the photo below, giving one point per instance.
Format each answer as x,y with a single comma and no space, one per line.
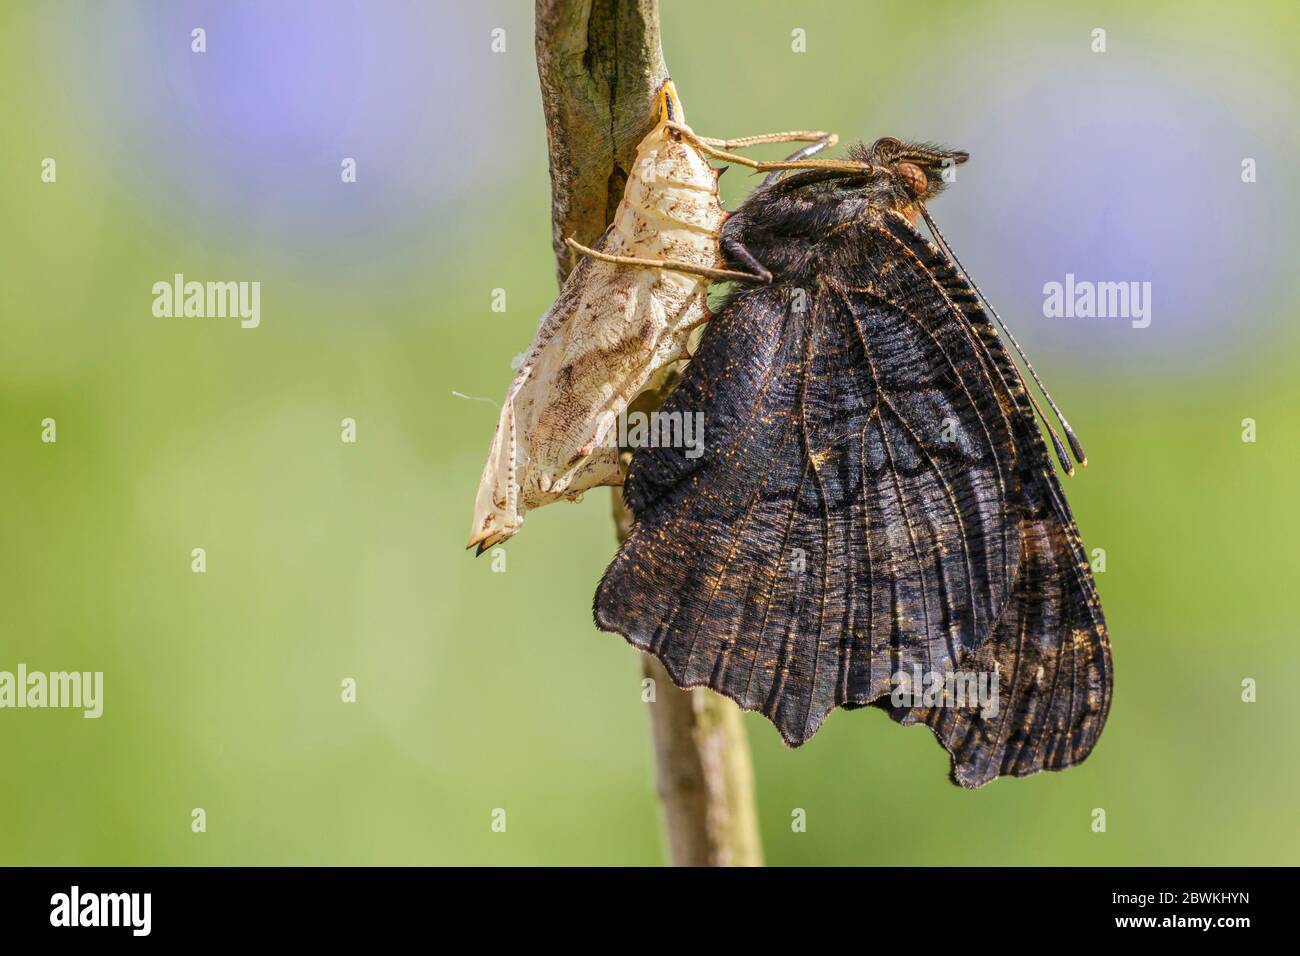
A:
919,170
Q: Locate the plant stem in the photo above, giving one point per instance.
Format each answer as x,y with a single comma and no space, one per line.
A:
600,63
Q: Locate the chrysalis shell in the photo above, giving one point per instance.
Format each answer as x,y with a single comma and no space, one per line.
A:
612,333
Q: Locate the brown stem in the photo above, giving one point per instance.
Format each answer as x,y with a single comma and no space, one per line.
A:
600,62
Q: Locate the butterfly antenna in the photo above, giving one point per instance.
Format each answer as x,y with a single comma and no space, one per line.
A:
1075,445
1061,454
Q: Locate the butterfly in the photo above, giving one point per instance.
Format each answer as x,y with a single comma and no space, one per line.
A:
875,495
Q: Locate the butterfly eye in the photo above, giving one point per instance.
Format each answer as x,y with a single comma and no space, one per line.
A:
913,178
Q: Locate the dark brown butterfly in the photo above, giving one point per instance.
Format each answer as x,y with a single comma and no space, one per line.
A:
875,495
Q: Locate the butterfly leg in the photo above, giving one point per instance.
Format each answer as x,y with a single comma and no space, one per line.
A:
803,153
708,146
817,141
673,265
735,249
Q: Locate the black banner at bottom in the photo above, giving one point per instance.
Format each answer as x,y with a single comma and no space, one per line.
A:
304,905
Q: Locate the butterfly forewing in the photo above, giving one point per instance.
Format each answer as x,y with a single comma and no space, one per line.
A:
1050,650
856,510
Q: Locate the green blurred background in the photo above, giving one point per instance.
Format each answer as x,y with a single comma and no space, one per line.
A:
478,689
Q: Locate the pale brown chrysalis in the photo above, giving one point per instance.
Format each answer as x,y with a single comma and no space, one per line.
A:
614,329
